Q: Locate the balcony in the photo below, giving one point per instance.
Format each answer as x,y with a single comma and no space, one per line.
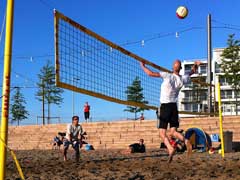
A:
195,99
224,84
195,88
227,97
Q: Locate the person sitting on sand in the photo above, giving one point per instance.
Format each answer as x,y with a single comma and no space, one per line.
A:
136,148
58,140
74,135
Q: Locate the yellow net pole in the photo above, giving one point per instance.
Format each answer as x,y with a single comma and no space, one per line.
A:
15,160
6,86
220,118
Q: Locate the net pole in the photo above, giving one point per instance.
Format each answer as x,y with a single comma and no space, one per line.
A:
15,159
220,117
6,87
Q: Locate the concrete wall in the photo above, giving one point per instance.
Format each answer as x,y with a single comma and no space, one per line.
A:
114,135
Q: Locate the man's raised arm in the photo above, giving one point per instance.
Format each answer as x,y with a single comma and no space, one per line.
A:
148,71
195,67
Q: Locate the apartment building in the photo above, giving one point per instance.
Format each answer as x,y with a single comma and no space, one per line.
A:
194,97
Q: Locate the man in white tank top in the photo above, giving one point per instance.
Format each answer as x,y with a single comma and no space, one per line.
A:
171,85
73,136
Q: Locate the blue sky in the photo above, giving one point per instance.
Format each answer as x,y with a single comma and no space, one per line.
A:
120,22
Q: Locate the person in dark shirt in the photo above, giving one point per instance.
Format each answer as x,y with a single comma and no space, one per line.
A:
137,147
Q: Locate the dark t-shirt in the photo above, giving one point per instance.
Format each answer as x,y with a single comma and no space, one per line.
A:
189,133
137,148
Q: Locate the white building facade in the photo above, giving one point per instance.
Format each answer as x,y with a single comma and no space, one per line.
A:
194,97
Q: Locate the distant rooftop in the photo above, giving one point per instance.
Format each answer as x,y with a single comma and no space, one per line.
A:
192,60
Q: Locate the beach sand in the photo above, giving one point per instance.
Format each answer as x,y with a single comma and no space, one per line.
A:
112,164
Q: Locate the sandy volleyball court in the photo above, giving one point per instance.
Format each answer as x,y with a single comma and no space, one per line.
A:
111,164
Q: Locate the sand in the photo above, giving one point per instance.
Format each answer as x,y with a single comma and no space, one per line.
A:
112,164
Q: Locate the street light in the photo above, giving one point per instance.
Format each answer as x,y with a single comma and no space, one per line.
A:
73,93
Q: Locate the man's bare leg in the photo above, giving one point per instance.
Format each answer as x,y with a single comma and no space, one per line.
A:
165,139
173,132
65,154
189,147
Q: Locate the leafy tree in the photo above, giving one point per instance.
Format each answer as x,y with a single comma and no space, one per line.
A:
230,65
17,109
47,90
134,93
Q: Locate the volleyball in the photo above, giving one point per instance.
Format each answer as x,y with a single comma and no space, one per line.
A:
182,12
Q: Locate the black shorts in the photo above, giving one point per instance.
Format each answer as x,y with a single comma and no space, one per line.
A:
168,114
86,115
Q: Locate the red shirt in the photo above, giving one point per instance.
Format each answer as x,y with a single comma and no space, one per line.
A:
86,108
173,143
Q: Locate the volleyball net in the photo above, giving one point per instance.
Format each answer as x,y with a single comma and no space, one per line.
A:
90,64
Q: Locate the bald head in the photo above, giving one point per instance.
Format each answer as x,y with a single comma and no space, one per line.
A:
177,66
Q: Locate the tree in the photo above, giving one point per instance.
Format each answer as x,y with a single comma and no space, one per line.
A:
17,109
47,90
230,65
134,93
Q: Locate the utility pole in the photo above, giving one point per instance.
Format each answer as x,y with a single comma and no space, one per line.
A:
209,60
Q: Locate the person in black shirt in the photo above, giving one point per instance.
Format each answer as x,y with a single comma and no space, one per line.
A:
137,147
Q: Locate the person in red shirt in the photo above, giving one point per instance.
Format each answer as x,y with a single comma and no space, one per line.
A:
86,112
142,117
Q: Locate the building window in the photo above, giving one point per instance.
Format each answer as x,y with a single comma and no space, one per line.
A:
203,69
188,96
226,94
217,68
188,68
203,95
191,96
228,108
189,84
187,107
238,108
195,108
238,94
223,81
229,94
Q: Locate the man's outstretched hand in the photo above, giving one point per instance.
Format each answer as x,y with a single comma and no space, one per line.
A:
197,63
142,64
195,67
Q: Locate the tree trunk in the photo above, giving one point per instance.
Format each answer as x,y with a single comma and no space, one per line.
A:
43,103
135,113
236,102
48,113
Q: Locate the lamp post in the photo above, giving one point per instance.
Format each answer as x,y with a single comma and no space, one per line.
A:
209,60
73,96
